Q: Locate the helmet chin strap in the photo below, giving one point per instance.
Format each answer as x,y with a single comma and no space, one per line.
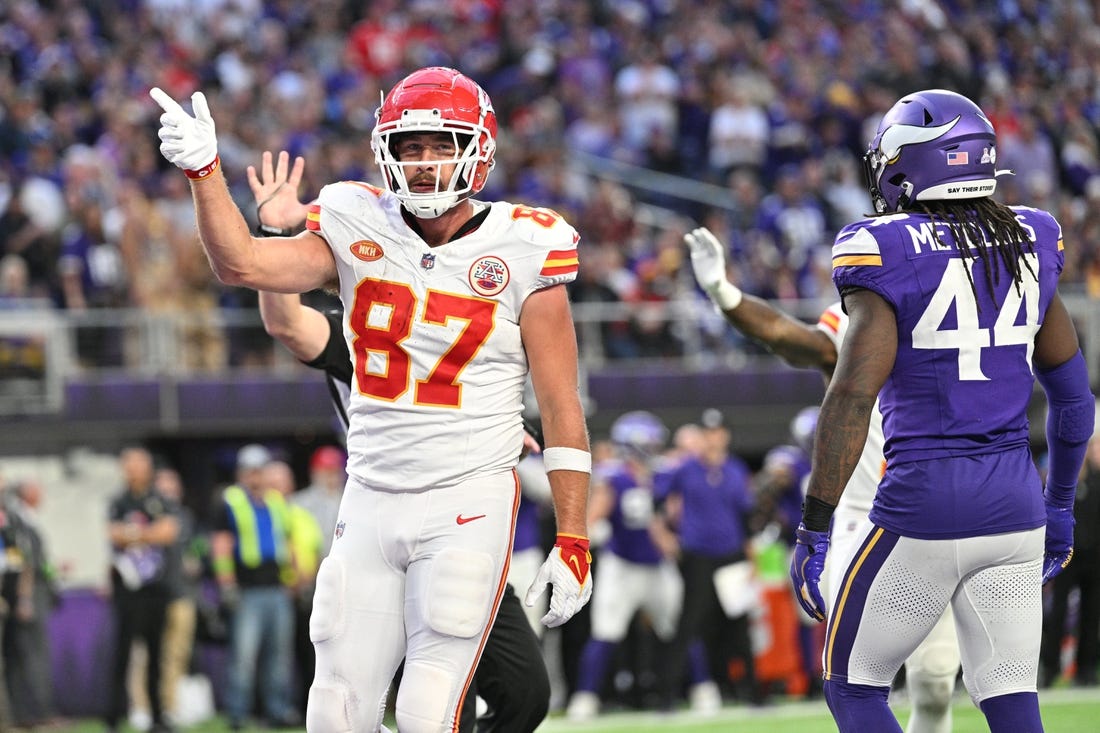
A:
437,207
434,206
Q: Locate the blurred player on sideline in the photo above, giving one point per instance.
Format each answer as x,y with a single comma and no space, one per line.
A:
635,575
449,303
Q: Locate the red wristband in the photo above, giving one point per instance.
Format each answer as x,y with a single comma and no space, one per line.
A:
206,171
575,554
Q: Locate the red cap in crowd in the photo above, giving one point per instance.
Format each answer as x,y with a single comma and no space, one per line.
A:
327,457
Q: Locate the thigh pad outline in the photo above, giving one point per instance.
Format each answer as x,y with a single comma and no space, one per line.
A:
461,589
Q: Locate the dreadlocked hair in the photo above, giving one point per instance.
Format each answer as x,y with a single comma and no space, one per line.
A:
984,229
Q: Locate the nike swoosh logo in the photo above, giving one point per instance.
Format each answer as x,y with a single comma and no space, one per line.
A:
576,563
463,520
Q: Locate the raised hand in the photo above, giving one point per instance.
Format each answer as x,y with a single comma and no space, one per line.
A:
708,262
275,189
187,142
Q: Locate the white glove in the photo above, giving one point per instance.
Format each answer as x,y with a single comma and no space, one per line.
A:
708,262
567,571
185,141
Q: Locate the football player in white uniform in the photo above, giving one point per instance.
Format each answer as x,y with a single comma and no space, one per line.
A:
931,669
511,676
448,303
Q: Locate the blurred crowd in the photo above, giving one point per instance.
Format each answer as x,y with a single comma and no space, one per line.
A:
770,102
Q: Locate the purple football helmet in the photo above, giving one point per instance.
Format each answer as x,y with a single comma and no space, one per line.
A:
639,431
931,145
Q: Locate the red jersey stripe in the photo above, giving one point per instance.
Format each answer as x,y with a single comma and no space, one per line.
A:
313,218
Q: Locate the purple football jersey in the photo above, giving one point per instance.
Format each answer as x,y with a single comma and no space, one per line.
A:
962,379
630,519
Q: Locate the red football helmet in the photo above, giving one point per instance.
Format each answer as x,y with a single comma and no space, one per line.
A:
437,99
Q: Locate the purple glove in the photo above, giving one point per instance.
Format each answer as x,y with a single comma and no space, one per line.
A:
1059,541
806,567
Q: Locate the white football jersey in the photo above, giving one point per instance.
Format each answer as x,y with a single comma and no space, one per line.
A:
437,392
860,491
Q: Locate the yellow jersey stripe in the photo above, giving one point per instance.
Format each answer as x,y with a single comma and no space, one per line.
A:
562,262
834,622
847,260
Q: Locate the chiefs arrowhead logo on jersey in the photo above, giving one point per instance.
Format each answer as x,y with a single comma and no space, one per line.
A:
367,250
489,276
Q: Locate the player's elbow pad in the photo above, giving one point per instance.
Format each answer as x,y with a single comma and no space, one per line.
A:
1071,412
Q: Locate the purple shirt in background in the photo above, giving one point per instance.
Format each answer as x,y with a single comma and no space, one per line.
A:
716,503
955,405
630,519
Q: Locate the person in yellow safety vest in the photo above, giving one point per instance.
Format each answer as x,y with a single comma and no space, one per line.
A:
307,540
305,533
251,545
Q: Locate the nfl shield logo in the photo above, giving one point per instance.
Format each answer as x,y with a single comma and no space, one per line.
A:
427,260
339,529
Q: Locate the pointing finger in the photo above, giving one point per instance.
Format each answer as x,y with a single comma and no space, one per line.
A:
166,103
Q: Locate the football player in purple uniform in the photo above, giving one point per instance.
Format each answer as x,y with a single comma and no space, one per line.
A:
932,668
954,313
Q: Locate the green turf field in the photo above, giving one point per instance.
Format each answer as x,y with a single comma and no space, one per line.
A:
1064,711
